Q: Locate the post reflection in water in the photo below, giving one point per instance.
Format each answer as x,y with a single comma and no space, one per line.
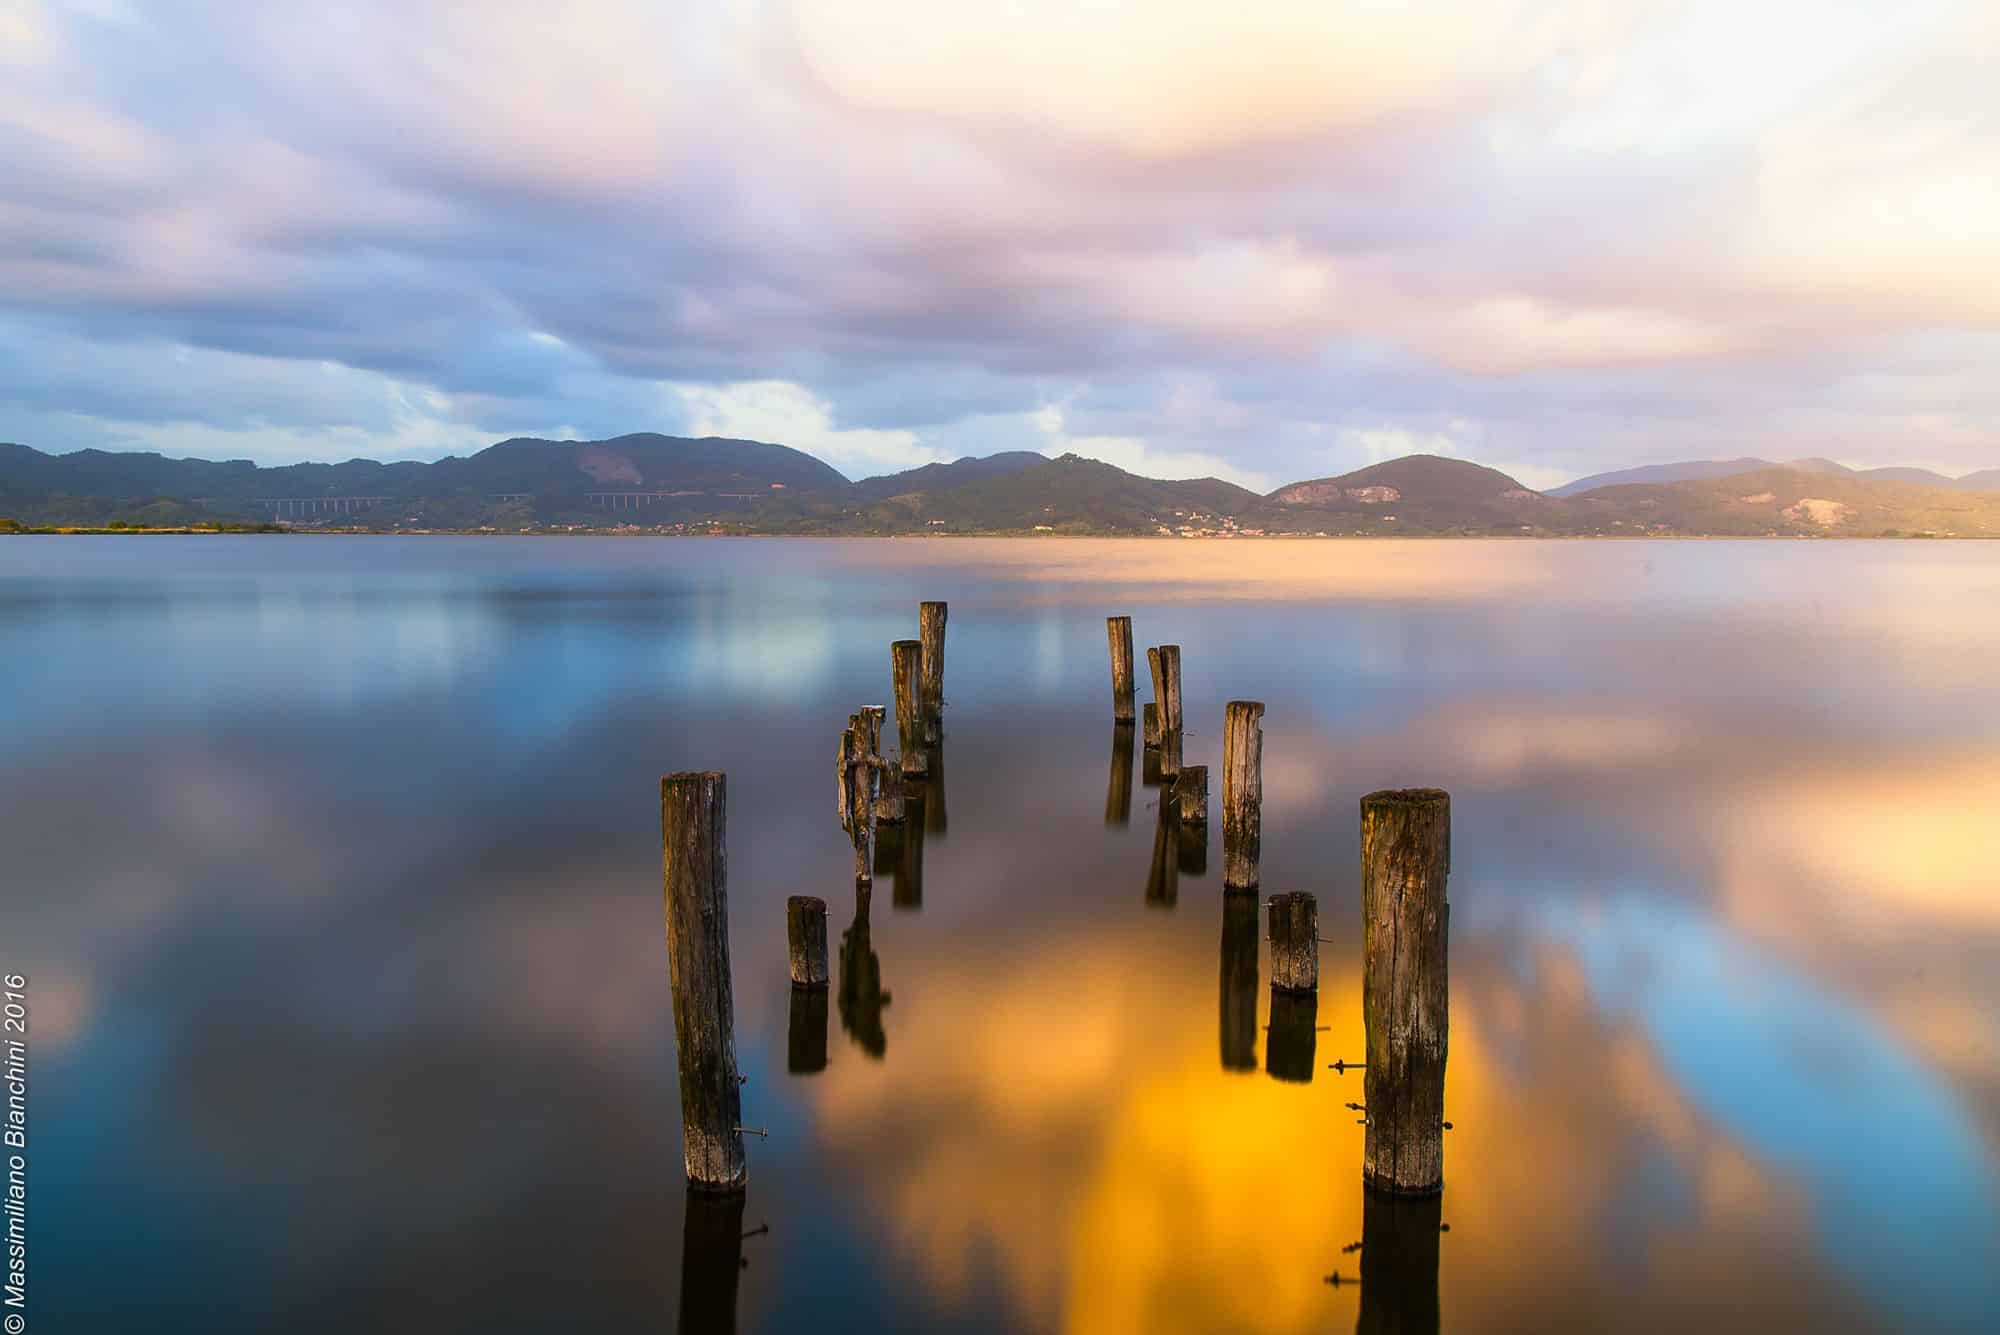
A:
1118,792
1293,1038
1239,982
909,887
805,1046
1149,767
861,994
1163,879
934,791
1193,859
1399,1263
711,1260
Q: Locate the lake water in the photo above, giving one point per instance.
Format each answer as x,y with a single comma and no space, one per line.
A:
335,866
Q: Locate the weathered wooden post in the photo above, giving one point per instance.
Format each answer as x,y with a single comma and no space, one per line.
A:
843,775
694,858
1166,665
1291,1044
1119,631
711,1262
1242,793
861,808
805,1035
1154,714
805,935
930,621
1294,943
1151,714
906,668
1191,792
1405,990
1118,790
861,994
1399,1264
1239,983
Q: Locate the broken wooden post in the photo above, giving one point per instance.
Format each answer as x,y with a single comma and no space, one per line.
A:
1405,991
1118,790
1294,943
906,668
1191,791
861,807
1292,1042
1152,723
805,1035
1399,1264
1239,983
843,775
1119,631
1166,665
1242,793
805,934
694,859
930,620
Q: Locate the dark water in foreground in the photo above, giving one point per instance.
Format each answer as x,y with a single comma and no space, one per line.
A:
335,866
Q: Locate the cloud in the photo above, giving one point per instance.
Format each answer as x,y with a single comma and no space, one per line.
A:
1564,235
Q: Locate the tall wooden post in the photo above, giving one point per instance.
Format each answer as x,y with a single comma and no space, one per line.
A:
694,857
1294,943
930,620
1405,987
1119,631
1239,983
805,939
1166,665
906,668
1242,793
1118,789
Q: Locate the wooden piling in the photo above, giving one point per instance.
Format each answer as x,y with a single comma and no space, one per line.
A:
861,807
1191,791
1294,943
694,860
1119,631
805,934
843,775
1239,983
1118,789
1242,793
906,669
930,621
1405,989
1152,723
1166,665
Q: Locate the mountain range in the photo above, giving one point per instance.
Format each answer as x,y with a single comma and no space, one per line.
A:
665,483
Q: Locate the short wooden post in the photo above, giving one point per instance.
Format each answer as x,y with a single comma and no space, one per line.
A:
861,994
1191,791
805,934
1119,631
1118,789
805,1035
711,1262
1294,943
1291,1044
1152,723
1399,1264
930,623
694,858
1239,983
906,668
1166,665
1242,793
888,797
1405,990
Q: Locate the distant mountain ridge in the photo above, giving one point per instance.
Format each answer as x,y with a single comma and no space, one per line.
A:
652,482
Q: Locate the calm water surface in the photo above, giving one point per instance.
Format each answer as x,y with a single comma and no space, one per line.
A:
335,865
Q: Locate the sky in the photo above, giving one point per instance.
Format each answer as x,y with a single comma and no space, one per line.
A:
1264,240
